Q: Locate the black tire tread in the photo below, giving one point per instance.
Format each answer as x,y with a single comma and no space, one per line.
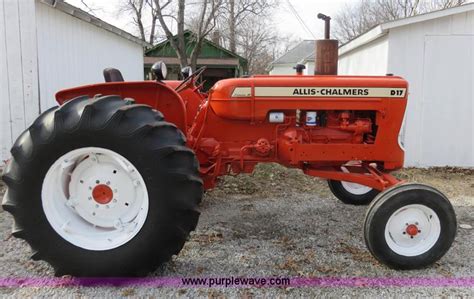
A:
109,115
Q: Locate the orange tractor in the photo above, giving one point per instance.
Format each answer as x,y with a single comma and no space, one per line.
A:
109,182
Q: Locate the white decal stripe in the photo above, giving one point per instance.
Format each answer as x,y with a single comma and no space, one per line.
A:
350,92
242,92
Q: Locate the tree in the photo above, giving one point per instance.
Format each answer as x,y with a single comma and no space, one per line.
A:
203,23
254,44
235,13
260,43
244,27
234,22
356,18
143,13
149,16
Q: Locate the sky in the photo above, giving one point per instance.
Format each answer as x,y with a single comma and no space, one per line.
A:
285,21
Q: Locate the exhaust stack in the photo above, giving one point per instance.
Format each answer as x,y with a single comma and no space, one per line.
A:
326,51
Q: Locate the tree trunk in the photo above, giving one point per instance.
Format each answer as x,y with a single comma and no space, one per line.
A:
181,51
153,24
195,54
232,21
178,45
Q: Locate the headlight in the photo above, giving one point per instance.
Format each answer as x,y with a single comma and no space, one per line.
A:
159,70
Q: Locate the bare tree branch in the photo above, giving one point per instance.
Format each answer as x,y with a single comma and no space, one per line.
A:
142,13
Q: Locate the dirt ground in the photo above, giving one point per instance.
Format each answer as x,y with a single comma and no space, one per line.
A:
278,222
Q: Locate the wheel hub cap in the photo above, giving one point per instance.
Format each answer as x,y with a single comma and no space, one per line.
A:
412,230
102,194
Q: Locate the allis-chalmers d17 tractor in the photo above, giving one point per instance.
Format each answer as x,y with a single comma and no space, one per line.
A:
109,182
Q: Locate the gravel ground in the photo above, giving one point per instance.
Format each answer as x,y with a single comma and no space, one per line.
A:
277,222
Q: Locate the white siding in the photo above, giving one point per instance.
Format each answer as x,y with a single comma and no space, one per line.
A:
447,103
43,50
19,103
436,58
72,52
370,59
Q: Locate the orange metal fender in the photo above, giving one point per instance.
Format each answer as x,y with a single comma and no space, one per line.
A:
155,94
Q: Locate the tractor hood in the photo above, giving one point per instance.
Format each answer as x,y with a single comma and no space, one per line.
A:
310,87
242,98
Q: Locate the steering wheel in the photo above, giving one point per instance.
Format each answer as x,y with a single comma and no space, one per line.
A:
189,80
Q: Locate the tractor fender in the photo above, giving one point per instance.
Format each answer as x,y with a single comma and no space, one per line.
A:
155,94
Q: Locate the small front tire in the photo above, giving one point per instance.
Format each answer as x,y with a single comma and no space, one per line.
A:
410,226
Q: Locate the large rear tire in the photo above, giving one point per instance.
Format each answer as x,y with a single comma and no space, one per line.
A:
102,187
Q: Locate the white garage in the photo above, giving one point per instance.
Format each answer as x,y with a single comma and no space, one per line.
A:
48,45
435,53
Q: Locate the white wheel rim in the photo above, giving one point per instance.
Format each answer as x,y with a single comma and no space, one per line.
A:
354,188
412,230
95,198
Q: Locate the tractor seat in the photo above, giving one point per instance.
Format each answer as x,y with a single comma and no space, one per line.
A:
112,75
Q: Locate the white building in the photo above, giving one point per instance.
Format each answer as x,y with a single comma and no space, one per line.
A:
48,45
434,52
302,53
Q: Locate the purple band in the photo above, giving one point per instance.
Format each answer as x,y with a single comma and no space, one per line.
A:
465,282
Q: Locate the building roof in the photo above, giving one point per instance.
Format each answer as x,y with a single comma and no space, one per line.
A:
382,29
86,17
188,35
211,53
300,52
